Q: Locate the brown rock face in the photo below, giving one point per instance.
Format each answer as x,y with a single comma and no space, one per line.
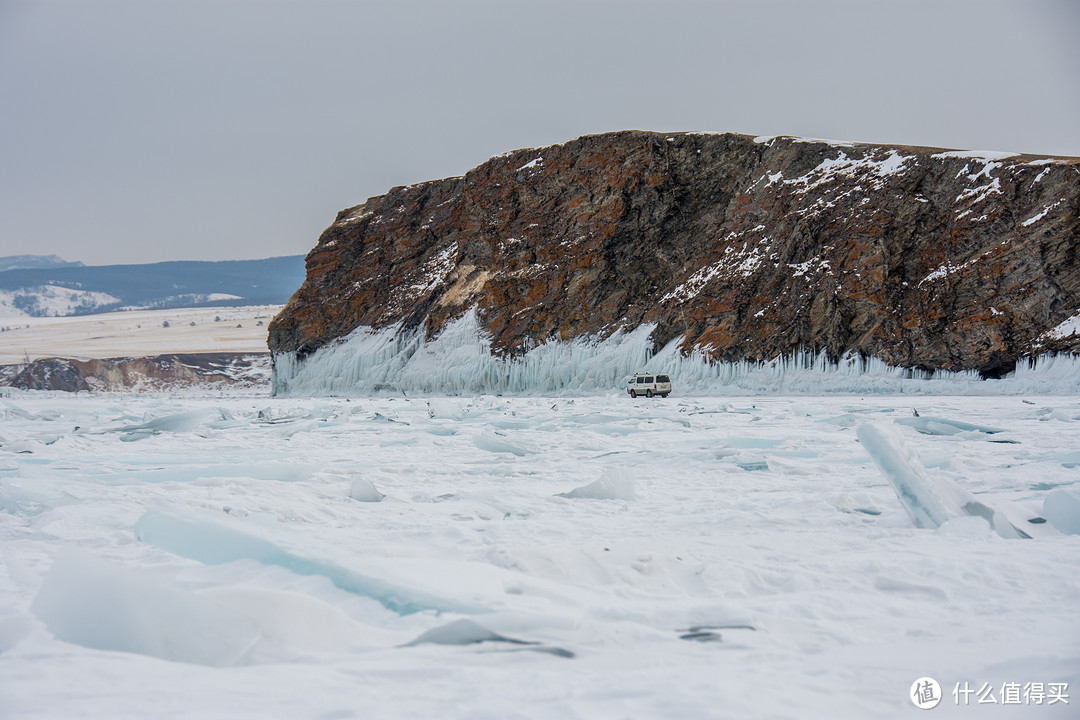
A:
745,248
161,371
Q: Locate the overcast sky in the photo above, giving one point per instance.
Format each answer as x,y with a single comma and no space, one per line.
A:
135,131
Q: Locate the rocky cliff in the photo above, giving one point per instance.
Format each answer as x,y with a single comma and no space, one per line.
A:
740,247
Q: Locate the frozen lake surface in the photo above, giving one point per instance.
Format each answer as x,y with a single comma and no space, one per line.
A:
568,557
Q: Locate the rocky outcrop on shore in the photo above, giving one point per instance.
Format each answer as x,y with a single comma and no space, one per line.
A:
142,373
734,246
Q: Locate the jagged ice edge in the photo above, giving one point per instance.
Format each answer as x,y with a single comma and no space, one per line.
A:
459,362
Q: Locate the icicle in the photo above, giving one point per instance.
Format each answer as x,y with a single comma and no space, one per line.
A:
459,362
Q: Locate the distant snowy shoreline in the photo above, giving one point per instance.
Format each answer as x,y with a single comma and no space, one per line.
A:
137,333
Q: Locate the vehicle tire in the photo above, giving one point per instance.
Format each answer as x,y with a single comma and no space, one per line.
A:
648,393
633,394
664,395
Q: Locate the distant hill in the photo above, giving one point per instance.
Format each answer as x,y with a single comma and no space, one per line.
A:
33,262
57,288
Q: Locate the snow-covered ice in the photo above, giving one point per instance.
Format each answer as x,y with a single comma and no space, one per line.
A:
561,556
135,333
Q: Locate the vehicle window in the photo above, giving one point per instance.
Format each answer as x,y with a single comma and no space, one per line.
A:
648,379
641,379
663,378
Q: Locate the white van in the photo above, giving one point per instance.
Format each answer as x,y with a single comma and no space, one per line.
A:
648,385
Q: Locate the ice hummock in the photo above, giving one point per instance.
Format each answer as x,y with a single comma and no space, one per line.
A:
459,362
1062,508
931,502
292,621
363,490
175,423
611,485
88,601
459,632
469,632
901,469
945,426
213,542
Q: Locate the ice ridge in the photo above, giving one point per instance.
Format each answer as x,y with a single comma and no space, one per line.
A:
213,543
